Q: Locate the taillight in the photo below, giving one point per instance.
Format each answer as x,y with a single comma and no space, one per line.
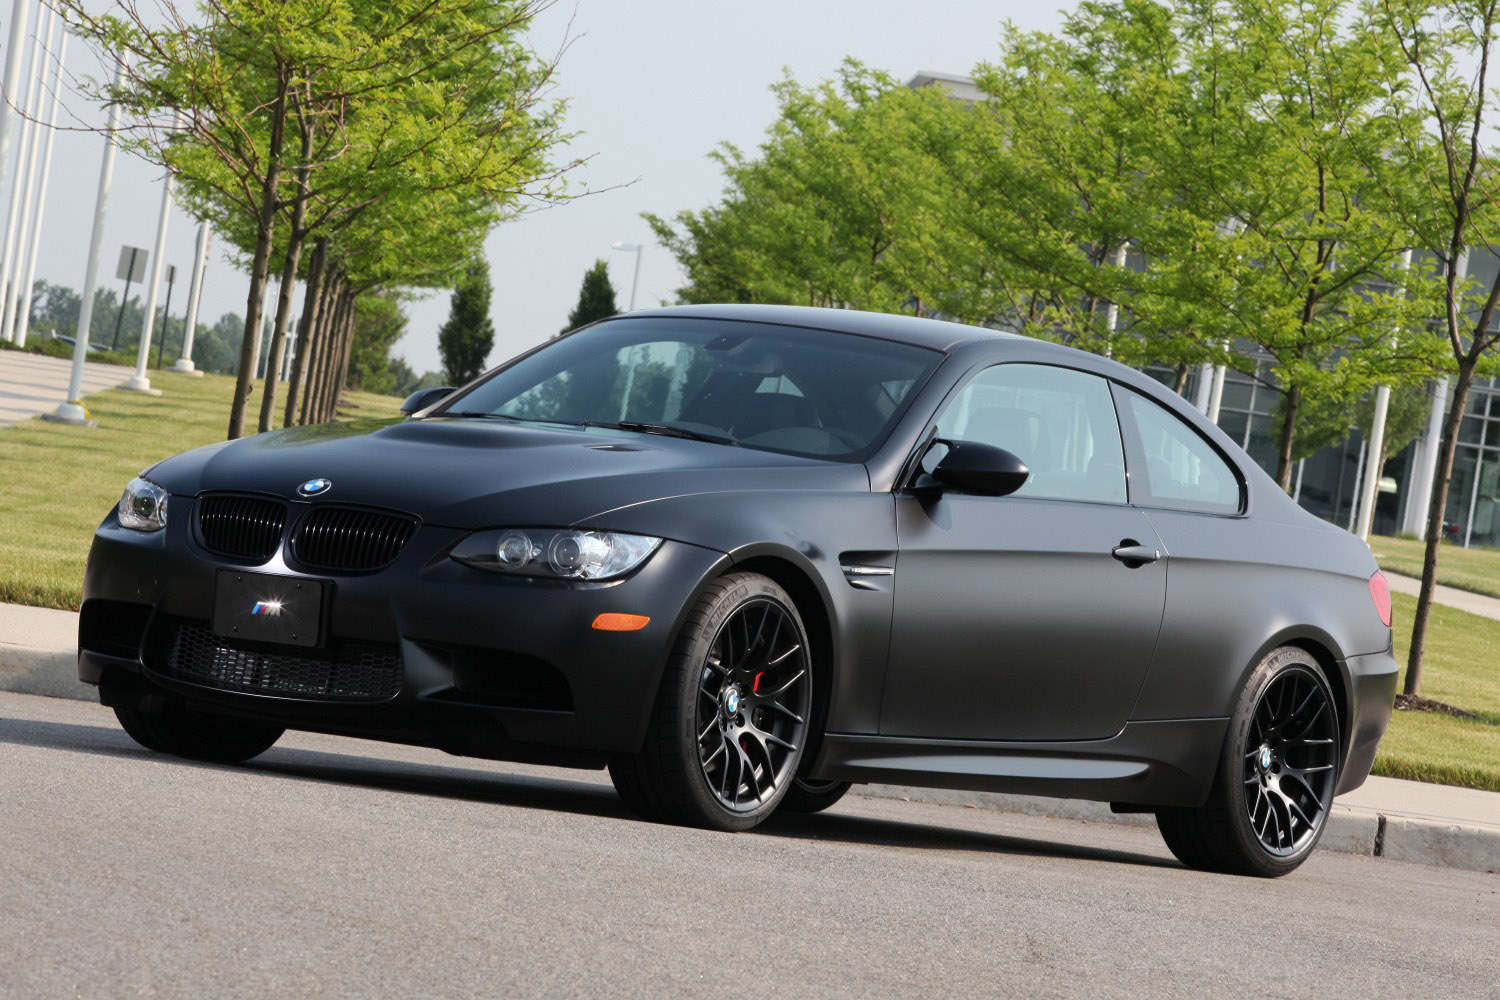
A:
1380,593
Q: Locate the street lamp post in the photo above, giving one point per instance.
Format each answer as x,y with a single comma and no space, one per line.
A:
23,314
20,192
20,13
139,382
200,261
635,283
71,410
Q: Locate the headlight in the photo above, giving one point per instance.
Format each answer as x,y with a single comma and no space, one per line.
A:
564,554
143,506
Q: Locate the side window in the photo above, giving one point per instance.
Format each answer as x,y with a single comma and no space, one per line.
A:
1183,471
1060,422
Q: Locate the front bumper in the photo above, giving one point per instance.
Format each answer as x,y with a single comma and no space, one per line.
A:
471,643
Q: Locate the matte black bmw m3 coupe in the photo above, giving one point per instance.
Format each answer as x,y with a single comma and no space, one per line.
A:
745,556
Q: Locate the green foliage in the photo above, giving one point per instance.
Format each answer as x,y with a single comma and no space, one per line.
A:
1159,181
465,340
596,298
378,323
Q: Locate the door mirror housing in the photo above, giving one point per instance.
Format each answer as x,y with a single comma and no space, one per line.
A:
980,468
423,398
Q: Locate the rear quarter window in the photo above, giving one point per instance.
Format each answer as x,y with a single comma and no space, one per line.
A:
1178,468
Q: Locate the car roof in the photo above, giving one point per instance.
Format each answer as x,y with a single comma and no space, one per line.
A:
934,334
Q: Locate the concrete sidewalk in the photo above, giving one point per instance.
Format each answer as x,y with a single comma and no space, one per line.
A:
32,383
1406,820
1463,600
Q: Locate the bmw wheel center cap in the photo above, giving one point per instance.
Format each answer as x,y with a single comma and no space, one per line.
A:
1265,758
732,701
315,487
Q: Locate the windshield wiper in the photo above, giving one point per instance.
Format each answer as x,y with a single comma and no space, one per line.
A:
485,414
665,430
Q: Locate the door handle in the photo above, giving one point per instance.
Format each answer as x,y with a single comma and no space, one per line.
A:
1132,553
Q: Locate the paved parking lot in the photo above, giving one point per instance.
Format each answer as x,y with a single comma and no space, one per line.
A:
339,867
31,384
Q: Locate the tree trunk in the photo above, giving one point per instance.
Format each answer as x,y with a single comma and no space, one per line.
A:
1180,382
1435,523
294,243
260,262
331,352
278,330
310,300
331,279
346,350
1284,461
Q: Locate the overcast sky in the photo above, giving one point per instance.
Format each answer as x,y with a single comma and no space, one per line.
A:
653,85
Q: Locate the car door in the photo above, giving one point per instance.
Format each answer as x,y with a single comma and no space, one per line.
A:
1014,618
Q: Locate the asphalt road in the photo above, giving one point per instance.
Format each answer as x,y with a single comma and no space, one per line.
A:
342,868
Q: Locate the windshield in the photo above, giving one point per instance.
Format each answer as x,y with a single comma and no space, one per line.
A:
786,389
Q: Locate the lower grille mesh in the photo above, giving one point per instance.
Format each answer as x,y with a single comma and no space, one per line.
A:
354,671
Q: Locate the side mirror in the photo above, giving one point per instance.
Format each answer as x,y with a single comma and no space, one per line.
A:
981,468
423,398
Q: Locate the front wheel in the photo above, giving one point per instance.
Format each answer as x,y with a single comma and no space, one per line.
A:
168,727
807,796
730,719
1274,785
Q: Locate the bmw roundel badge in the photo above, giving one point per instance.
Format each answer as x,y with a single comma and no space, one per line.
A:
315,487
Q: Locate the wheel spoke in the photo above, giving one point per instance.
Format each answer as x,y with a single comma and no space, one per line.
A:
785,685
783,656
778,706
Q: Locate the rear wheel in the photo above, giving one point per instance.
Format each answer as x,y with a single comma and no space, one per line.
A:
168,727
730,718
1274,786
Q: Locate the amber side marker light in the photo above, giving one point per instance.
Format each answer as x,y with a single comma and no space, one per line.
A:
612,621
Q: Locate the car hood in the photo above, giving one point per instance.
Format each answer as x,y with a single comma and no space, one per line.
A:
478,473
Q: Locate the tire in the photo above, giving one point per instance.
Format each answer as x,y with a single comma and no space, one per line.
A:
170,728
1273,787
729,721
812,796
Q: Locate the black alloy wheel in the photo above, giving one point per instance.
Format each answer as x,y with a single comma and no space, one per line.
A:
753,698
732,712
1275,781
1290,756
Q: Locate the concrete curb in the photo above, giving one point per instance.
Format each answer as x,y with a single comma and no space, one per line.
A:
39,653
1351,829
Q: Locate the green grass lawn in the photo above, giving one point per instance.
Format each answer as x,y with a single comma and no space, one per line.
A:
1477,570
1462,668
58,481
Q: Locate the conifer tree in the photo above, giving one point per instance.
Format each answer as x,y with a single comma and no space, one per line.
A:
466,338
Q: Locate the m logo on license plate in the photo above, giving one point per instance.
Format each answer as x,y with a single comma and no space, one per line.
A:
271,608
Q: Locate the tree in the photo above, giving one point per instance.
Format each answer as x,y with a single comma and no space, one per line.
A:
1443,103
596,298
294,119
378,323
465,340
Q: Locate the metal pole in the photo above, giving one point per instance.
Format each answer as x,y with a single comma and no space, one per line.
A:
1377,444
166,318
71,410
139,382
635,282
190,323
1216,391
21,188
23,315
20,13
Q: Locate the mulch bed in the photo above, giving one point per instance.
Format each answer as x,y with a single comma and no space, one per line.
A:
1416,703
